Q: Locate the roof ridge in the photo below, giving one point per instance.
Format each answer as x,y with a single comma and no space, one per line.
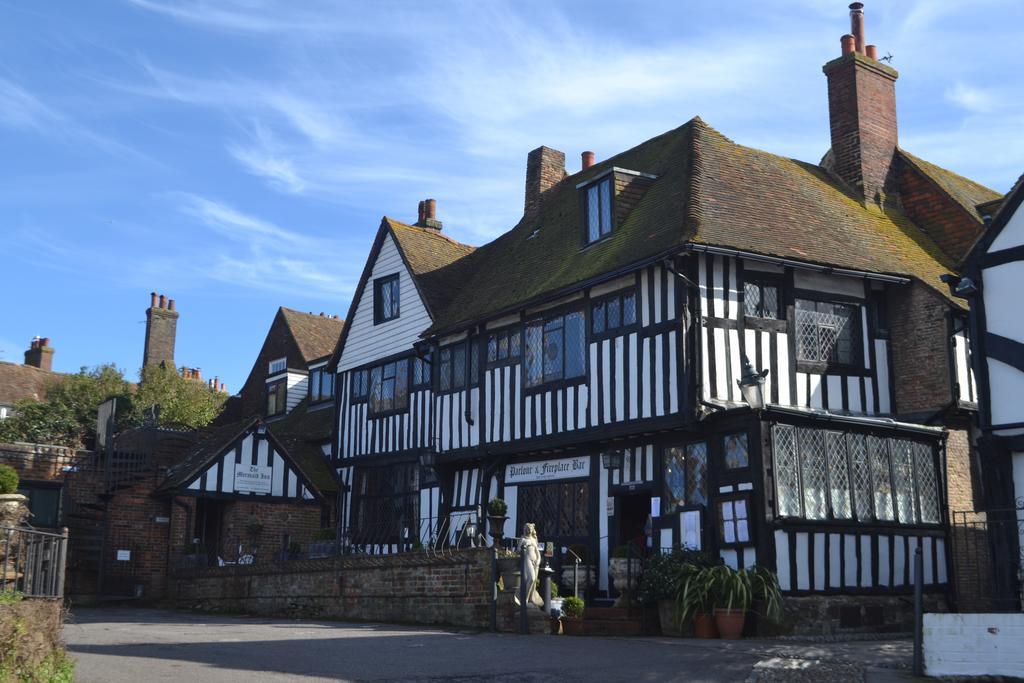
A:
692,208
914,159
430,232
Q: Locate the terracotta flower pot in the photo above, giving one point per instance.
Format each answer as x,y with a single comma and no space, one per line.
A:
730,622
704,626
572,627
667,618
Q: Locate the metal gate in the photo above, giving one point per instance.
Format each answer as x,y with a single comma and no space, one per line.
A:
988,559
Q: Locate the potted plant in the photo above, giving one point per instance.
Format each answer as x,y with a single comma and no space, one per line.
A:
556,610
695,600
10,499
661,581
572,611
254,527
625,572
508,568
497,515
765,591
732,600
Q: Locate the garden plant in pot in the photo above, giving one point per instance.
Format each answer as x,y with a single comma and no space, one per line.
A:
695,600
662,579
508,568
730,592
10,499
497,515
572,616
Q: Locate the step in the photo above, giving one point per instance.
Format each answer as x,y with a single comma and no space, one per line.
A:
612,613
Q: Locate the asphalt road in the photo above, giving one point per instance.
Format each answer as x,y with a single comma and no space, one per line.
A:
115,644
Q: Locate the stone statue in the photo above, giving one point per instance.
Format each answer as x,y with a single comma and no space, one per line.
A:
528,547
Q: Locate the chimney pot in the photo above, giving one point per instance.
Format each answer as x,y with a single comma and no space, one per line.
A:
152,299
421,213
588,160
45,342
222,388
163,301
871,51
857,24
170,304
848,43
430,209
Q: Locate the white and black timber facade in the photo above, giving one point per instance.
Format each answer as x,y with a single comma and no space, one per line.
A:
614,320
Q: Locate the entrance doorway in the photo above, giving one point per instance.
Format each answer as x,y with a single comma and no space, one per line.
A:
632,512
209,522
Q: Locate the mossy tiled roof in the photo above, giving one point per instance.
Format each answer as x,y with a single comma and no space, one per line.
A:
428,252
315,335
708,190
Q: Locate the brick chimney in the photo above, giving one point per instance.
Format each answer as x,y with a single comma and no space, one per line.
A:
40,354
161,328
862,115
428,216
545,168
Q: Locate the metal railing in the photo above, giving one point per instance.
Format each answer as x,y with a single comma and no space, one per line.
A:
32,562
988,559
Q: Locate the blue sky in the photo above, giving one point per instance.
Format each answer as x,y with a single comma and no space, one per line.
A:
238,155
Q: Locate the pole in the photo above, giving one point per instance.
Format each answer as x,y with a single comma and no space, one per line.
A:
918,611
524,626
494,589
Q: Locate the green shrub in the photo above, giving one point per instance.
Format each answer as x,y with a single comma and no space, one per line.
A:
663,575
572,608
8,479
497,507
9,597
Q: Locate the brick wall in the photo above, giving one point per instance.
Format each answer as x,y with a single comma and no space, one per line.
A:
933,211
161,329
408,588
974,644
297,521
545,168
920,349
818,615
38,462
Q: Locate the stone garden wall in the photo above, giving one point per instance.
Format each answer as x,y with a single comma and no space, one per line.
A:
415,588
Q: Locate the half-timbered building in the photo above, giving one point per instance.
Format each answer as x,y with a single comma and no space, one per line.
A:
585,366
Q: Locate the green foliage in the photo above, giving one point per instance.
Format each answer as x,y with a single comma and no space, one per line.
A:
704,589
9,597
497,507
57,668
184,403
554,589
572,607
663,575
8,479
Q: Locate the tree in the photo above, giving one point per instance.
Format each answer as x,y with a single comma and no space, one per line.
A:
68,415
184,403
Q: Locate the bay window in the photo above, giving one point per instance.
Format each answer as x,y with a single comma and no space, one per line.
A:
828,333
556,349
389,387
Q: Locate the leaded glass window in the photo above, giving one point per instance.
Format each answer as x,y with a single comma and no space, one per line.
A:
903,480
360,385
459,366
686,474
881,478
787,471
827,332
599,209
503,346
444,371
385,299
421,371
838,475
556,349
813,472
389,387
736,456
927,483
760,300
860,469
613,312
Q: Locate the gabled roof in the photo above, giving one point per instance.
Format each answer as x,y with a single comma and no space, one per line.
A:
19,382
314,335
1011,203
298,437
708,190
964,191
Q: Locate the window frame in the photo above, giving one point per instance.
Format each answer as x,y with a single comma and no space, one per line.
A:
322,372
359,394
822,367
273,387
374,413
602,301
763,280
378,286
543,321
426,375
724,467
507,333
665,491
31,487
852,491
283,360
733,498
584,192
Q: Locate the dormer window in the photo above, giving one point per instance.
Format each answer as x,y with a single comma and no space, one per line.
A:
321,385
385,299
597,209
276,366
277,397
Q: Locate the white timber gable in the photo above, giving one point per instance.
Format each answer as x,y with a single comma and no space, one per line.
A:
365,341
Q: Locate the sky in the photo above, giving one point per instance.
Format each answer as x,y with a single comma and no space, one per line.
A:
237,155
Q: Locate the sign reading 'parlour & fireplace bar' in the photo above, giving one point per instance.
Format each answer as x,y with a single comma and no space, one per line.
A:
545,470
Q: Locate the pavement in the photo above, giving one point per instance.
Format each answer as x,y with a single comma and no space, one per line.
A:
133,644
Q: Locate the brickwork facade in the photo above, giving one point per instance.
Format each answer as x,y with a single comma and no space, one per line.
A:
936,214
415,588
545,168
161,329
920,350
862,121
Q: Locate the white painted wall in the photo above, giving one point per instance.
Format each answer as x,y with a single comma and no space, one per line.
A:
367,341
1002,300
974,644
298,389
1012,234
1005,387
